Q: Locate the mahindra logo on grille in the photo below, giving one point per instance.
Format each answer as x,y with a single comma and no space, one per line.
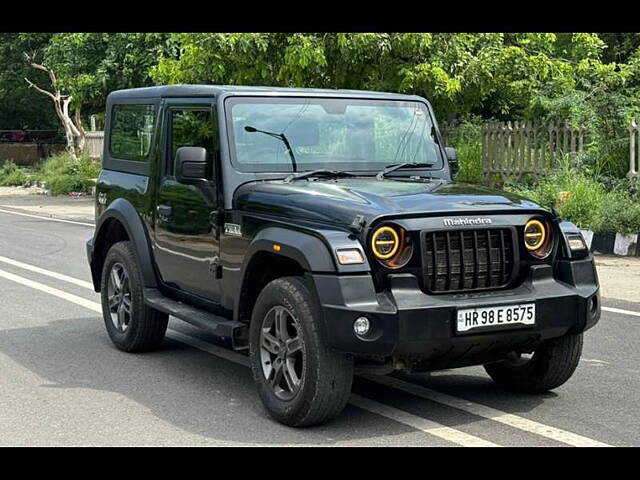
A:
454,222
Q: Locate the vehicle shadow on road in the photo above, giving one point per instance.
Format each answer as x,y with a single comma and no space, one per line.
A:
215,398
194,391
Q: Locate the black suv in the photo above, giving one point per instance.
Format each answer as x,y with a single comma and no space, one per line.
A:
321,230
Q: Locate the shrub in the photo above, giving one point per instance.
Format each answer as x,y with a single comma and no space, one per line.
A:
581,202
619,212
465,138
586,202
62,174
12,175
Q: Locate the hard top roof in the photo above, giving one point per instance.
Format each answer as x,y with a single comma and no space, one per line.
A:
215,90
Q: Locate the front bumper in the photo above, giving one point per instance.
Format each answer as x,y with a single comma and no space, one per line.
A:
407,322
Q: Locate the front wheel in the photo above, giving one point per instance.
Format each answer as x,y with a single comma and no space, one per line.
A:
551,365
131,325
301,381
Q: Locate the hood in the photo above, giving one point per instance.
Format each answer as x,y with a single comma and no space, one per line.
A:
338,201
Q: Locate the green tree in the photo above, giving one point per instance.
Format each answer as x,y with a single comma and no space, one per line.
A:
20,106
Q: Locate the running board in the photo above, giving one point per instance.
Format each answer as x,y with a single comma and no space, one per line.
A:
221,327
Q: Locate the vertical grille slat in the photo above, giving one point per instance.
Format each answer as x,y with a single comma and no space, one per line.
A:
462,270
489,266
504,277
463,260
448,277
476,262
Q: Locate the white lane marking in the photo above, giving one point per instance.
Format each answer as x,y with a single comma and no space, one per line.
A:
53,219
620,310
406,418
48,273
490,413
96,307
461,404
420,423
594,360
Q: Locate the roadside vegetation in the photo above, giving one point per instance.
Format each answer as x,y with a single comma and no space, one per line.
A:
60,174
590,80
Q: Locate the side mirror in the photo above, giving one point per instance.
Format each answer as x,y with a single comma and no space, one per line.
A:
452,158
191,164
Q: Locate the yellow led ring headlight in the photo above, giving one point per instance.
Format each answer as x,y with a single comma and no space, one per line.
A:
535,234
385,243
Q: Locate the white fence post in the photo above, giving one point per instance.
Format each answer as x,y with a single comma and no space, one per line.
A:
94,142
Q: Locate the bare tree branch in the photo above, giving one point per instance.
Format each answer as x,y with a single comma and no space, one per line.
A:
41,90
75,134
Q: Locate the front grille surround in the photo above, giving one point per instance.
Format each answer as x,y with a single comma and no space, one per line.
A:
489,262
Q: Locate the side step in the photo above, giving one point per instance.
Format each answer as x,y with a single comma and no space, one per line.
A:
221,327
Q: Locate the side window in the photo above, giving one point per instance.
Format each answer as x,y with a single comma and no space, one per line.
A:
132,128
191,128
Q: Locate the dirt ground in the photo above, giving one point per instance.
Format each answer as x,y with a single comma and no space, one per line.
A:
32,200
619,276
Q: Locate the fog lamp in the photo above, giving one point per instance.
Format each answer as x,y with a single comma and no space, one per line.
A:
361,326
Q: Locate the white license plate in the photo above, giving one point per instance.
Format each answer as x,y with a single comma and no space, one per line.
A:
496,317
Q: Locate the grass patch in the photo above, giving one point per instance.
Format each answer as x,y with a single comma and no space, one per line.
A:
12,175
60,173
584,201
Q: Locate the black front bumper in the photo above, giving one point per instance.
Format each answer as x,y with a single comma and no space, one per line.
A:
406,322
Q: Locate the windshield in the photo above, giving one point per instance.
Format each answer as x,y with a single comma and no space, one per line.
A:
298,134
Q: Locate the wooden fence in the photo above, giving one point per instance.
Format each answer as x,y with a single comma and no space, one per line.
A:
93,144
511,150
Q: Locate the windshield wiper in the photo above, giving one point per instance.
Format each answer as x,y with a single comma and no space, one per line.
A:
280,136
396,166
322,172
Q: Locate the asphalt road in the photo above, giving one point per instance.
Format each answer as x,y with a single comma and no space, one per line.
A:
63,383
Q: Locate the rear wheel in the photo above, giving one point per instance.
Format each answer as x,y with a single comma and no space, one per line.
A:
301,381
131,325
550,365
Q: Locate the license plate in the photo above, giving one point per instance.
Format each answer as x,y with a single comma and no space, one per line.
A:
496,317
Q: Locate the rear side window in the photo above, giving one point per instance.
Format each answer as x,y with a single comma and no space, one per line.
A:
132,128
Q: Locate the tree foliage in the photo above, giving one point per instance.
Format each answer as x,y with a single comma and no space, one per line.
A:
585,78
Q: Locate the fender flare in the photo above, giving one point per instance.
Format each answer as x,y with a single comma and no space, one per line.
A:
308,250
125,213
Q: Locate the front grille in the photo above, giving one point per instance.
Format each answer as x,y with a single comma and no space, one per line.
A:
467,259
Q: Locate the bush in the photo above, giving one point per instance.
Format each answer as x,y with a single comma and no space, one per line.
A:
585,202
12,175
62,174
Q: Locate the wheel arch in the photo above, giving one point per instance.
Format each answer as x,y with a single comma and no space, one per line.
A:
120,221
274,253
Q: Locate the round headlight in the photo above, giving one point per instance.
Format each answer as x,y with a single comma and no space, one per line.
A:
537,238
384,243
392,246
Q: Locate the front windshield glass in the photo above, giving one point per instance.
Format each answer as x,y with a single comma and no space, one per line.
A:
329,133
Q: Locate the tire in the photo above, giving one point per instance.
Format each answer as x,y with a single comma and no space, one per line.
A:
551,365
134,327
324,375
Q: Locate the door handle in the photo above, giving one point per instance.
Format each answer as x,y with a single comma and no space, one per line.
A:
164,211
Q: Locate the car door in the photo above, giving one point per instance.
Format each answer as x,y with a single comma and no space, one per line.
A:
186,243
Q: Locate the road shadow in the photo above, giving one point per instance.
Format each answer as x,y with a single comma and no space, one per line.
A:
195,391
216,398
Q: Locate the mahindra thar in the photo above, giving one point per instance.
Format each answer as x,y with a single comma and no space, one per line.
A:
321,231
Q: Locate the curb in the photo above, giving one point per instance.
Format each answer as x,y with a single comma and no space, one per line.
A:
623,244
